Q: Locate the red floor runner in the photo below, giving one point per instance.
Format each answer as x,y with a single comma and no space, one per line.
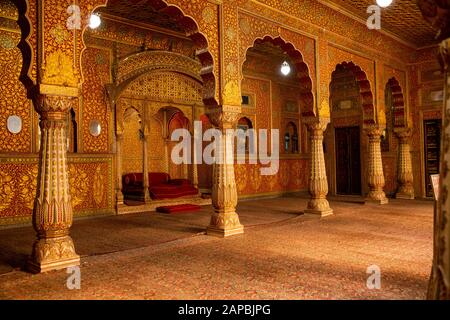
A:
179,208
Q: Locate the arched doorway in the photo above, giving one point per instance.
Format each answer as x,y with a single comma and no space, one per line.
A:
170,66
276,94
345,143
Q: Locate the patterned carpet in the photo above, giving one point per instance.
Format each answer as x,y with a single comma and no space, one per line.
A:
282,256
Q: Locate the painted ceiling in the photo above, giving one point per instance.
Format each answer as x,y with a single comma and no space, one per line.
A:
402,19
141,11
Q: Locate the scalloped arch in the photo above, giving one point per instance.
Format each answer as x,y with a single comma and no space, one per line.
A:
364,90
24,45
398,103
305,80
200,41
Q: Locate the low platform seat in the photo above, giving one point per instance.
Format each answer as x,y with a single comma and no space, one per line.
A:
160,186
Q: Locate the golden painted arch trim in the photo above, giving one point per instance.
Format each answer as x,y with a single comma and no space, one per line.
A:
398,103
137,64
365,91
303,71
177,9
24,44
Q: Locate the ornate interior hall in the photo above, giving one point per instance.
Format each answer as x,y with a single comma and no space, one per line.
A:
272,149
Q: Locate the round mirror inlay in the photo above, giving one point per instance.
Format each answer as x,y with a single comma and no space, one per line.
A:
95,128
14,124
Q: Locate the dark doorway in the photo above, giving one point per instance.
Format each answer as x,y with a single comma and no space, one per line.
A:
348,161
432,132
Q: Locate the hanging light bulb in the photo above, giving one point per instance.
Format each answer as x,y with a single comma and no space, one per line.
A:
94,21
285,68
384,3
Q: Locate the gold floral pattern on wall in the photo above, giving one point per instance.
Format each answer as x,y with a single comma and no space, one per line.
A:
18,183
96,70
13,98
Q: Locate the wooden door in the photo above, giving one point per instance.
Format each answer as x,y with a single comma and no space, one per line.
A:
348,161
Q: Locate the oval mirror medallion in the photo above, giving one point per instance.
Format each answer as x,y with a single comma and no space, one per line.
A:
14,124
95,128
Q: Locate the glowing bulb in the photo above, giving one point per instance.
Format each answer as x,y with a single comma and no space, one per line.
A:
285,68
94,21
384,3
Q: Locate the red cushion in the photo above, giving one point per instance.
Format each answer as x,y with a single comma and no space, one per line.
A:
158,178
178,208
180,182
133,179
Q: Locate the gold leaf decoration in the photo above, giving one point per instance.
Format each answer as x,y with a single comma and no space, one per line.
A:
59,70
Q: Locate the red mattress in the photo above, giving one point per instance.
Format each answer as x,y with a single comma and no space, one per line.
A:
166,191
161,186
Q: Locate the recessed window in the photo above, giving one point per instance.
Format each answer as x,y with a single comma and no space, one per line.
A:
246,100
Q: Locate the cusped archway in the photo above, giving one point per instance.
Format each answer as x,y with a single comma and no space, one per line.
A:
365,91
397,103
299,66
186,24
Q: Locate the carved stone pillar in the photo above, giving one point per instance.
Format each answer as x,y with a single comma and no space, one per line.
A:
166,156
439,285
52,214
224,220
318,183
404,167
119,193
375,168
146,182
194,167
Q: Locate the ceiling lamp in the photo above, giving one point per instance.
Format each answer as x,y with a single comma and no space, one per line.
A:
285,68
94,21
384,3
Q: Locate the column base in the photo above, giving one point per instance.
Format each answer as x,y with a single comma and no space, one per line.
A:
406,196
223,233
224,225
119,198
52,254
147,199
319,213
319,207
376,201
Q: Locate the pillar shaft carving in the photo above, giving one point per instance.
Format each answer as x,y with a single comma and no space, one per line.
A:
375,168
119,193
405,171
318,183
224,220
52,214
146,182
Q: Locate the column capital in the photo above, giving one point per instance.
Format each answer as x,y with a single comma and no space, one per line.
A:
403,134
374,131
225,116
316,124
48,105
